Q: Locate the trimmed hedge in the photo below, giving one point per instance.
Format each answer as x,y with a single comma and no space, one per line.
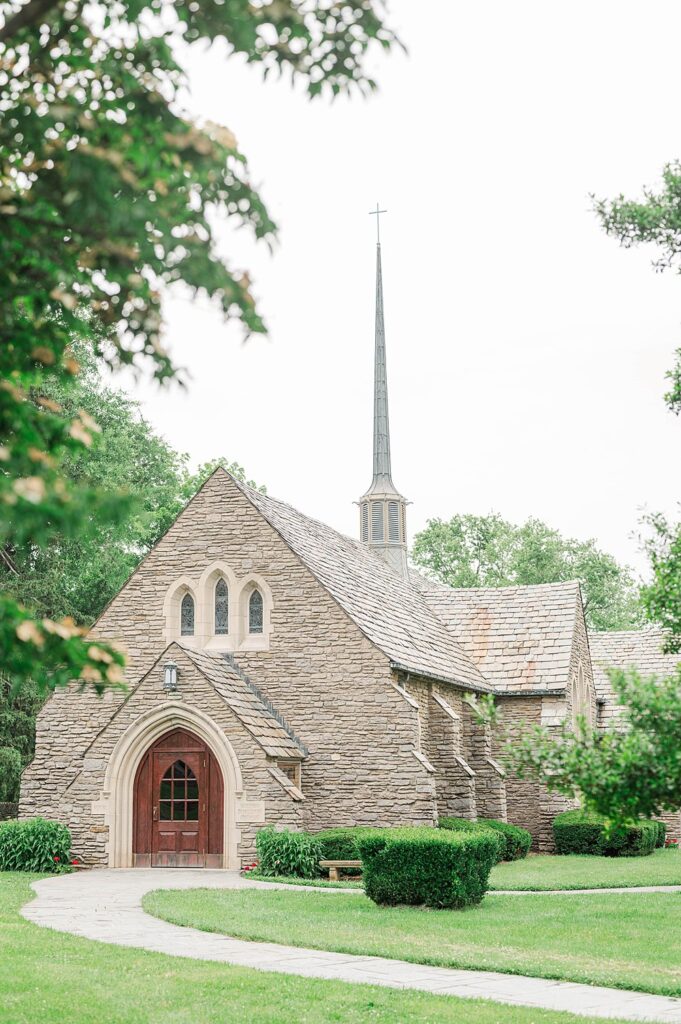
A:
518,840
580,832
341,844
288,853
34,845
475,828
427,866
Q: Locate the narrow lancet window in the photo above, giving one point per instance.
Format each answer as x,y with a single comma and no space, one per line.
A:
187,616
255,612
221,608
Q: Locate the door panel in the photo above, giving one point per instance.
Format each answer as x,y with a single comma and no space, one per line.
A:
179,807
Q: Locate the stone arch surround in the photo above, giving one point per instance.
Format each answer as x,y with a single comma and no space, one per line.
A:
117,797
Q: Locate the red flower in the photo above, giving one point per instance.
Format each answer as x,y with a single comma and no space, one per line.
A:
56,860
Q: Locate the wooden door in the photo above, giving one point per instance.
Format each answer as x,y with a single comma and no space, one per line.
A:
178,810
178,832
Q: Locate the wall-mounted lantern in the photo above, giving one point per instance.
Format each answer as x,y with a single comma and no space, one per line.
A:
170,674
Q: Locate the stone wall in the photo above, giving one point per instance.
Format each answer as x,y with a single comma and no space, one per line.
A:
320,672
469,783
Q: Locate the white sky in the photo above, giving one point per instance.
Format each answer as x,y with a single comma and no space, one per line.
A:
526,350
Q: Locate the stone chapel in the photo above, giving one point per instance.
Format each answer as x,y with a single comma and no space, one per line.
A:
280,673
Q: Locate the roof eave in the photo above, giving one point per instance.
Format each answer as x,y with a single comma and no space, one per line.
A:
398,666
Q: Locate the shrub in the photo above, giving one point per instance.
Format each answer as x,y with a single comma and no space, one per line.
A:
341,844
581,832
427,866
475,827
34,845
288,853
518,840
661,834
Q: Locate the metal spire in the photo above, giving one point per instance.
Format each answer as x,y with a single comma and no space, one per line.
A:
382,509
382,478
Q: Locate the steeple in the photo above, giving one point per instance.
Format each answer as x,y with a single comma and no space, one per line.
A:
382,508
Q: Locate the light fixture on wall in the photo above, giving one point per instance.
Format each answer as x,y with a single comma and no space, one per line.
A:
170,674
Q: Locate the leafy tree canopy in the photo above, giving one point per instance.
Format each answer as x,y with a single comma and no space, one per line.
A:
488,551
655,219
623,774
78,575
107,194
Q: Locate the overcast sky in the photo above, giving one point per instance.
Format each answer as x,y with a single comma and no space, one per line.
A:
526,350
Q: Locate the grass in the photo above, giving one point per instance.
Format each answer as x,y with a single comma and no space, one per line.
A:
535,873
50,978
663,867
627,940
317,883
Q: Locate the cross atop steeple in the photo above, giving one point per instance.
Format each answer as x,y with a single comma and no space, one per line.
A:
377,214
382,508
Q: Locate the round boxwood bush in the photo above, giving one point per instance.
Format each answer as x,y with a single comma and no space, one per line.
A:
34,845
288,853
427,866
583,832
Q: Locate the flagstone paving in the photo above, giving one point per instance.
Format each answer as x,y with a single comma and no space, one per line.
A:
107,906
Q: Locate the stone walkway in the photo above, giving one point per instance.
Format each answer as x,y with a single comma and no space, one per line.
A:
107,906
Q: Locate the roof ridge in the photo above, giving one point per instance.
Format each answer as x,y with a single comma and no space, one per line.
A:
505,588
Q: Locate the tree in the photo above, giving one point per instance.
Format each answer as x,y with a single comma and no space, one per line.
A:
623,774
488,551
71,577
656,219
633,772
107,192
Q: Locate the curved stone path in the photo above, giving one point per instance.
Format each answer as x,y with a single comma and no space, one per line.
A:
107,906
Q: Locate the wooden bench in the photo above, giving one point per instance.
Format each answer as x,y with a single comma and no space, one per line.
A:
334,865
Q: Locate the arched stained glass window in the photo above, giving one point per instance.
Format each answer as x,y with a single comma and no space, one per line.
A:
221,608
179,795
255,612
187,616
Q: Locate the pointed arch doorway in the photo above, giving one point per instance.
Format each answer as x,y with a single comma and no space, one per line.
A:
178,804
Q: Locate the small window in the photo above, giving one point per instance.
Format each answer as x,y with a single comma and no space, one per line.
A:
179,794
377,520
365,521
291,770
255,612
221,608
187,616
393,521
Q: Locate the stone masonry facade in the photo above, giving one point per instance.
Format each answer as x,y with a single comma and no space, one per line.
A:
376,743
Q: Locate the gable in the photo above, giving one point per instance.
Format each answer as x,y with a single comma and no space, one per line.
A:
520,638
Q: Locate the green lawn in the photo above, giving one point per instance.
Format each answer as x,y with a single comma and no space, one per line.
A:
50,978
663,867
629,940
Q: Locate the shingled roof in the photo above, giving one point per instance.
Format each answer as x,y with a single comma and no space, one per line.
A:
256,714
519,637
389,611
641,648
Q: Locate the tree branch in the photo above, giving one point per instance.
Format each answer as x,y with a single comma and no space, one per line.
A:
29,14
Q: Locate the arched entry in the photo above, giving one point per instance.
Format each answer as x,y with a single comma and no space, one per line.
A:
178,804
